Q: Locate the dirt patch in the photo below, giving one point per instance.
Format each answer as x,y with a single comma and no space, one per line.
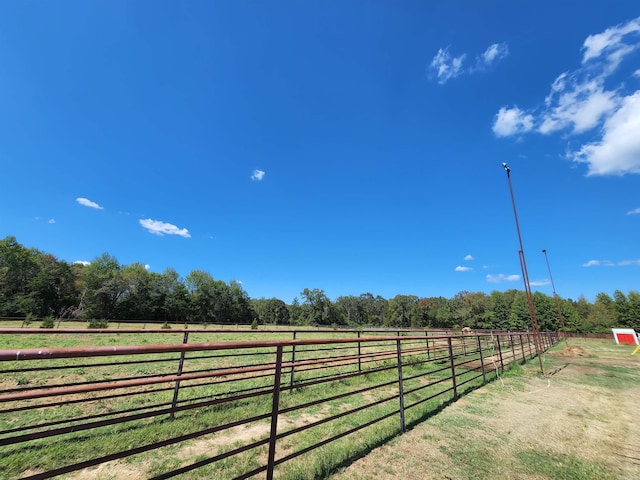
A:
109,471
572,351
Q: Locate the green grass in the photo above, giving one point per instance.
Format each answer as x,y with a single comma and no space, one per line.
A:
562,466
59,451
571,424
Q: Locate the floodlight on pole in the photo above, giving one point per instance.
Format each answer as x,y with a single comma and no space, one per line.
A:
555,297
525,276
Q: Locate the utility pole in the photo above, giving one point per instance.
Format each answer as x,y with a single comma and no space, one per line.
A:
555,297
525,277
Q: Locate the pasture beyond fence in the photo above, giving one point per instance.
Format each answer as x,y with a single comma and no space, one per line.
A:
266,408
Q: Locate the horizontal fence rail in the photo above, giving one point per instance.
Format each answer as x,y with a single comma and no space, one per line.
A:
232,409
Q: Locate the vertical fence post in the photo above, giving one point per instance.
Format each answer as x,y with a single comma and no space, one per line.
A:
176,388
500,353
484,375
522,349
275,406
513,348
293,362
453,369
400,385
359,353
426,334
529,343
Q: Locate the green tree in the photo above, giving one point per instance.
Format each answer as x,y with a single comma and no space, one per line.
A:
623,309
546,312
353,310
519,319
501,310
275,312
401,311
634,310
18,266
317,307
105,286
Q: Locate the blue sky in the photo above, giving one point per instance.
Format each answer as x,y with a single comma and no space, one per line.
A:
348,146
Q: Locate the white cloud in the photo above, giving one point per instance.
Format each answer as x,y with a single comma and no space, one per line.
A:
52,221
511,121
445,66
460,268
625,263
162,228
579,101
494,52
618,151
637,73
88,203
578,105
147,266
257,175
609,263
501,277
635,211
468,257
82,262
539,283
609,44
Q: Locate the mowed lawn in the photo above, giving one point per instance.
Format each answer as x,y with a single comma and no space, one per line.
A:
581,421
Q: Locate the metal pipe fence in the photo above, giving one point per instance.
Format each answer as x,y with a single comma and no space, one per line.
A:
155,401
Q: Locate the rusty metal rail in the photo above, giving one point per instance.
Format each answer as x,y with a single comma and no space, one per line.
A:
155,401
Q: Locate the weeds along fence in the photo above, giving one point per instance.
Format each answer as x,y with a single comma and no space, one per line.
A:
229,409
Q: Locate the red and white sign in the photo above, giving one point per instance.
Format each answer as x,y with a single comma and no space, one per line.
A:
625,335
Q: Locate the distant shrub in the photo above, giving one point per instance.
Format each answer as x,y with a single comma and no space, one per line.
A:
28,320
254,324
166,326
94,323
47,322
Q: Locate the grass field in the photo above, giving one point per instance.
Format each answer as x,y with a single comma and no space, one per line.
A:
580,421
342,400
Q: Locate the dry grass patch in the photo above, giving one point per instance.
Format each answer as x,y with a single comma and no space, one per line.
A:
566,425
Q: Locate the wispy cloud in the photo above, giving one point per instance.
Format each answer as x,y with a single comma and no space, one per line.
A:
460,268
493,53
468,257
51,221
625,263
501,277
609,263
592,263
539,283
88,203
162,228
635,211
444,66
580,101
257,175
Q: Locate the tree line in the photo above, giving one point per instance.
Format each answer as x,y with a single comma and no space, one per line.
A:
34,283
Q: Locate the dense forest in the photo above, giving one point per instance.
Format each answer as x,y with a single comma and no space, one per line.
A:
37,284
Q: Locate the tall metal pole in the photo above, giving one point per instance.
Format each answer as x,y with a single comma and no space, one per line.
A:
555,297
525,277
